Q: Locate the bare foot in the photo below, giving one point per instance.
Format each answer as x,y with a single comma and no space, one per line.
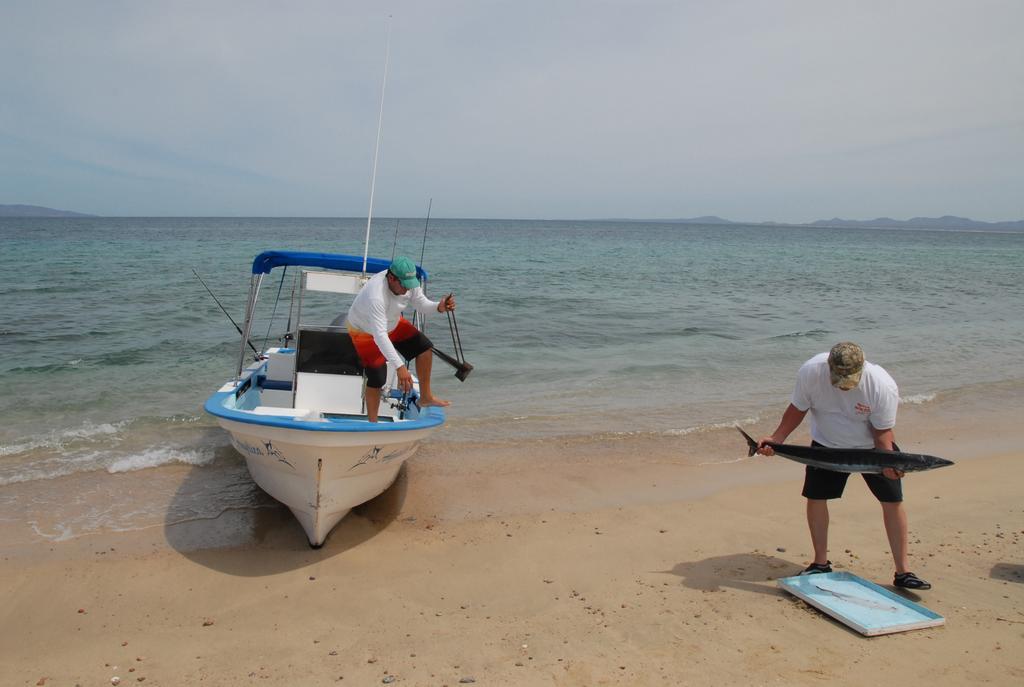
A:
433,401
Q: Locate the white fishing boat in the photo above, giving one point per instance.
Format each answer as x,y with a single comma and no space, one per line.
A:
297,414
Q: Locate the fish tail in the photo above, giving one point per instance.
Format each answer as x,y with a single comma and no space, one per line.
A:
751,444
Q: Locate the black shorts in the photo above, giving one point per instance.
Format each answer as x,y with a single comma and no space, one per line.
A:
822,485
407,348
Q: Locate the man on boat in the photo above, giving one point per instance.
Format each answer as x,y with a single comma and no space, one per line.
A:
381,335
852,404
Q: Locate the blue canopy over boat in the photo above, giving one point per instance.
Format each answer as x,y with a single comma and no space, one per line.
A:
265,262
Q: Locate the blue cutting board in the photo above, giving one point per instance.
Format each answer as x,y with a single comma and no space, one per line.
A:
863,605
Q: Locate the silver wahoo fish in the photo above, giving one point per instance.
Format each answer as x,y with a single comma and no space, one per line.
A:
851,459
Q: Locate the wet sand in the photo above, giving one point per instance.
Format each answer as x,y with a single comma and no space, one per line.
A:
647,561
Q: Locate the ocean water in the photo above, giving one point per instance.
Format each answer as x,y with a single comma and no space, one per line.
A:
576,330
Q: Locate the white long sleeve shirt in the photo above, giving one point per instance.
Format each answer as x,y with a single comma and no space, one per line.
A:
376,311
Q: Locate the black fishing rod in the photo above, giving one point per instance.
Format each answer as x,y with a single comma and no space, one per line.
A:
273,314
462,368
421,322
288,328
223,310
394,246
453,327
423,248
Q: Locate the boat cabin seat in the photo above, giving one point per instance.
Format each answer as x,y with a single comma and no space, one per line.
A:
328,377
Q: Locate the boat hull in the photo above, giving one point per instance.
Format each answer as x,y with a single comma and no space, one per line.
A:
320,476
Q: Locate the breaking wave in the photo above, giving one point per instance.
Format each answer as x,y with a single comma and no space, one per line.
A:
58,441
162,456
711,427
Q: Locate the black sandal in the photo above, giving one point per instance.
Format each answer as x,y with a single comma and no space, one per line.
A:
816,568
909,580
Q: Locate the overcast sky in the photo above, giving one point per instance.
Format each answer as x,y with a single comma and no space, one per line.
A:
752,110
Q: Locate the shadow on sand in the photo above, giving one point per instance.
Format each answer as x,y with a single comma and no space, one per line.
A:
749,572
1008,572
265,538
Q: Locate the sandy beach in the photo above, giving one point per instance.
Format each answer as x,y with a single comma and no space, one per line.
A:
614,564
643,219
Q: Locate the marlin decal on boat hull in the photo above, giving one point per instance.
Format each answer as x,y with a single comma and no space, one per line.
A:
851,459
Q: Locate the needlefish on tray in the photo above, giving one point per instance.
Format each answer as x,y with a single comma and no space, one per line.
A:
851,459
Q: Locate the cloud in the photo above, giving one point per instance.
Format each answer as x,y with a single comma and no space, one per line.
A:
744,109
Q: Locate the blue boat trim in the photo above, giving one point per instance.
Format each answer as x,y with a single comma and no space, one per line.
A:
431,416
268,260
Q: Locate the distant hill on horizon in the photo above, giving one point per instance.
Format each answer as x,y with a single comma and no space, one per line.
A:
944,222
36,211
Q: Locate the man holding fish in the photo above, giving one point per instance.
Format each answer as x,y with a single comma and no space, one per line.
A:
853,405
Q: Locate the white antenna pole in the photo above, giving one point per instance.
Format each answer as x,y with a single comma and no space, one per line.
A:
376,151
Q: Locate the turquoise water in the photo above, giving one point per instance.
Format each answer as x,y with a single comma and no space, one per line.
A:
110,344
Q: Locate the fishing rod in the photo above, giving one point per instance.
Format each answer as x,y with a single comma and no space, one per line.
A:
223,310
288,327
421,322
276,303
376,150
423,248
462,368
394,246
453,327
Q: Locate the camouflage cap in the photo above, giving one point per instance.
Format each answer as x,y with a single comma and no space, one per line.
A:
845,364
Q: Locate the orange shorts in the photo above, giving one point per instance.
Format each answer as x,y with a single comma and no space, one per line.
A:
408,341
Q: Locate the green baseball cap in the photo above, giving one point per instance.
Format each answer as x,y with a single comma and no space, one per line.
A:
845,365
404,270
